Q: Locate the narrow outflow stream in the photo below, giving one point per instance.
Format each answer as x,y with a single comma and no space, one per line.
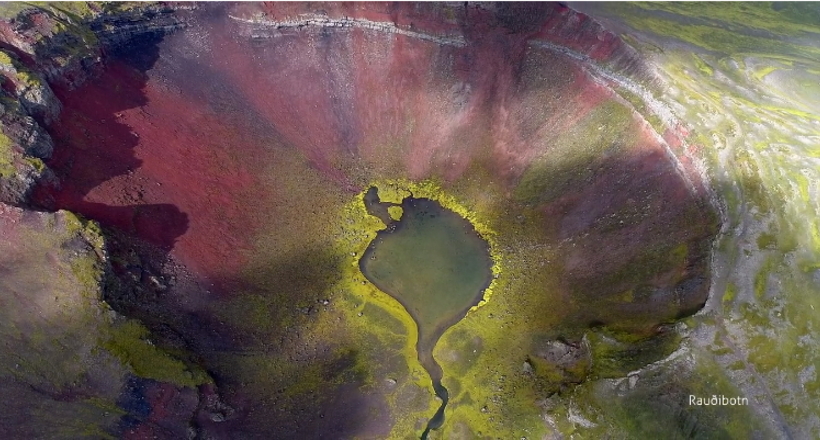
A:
435,264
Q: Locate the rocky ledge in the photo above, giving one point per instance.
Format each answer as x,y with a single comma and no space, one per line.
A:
58,46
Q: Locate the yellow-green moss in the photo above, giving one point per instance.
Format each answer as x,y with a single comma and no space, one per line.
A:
395,190
764,71
575,156
640,106
21,72
87,268
5,58
395,212
129,342
6,158
730,294
702,66
762,277
737,31
766,241
75,10
615,354
88,272
87,229
36,163
11,9
359,229
28,78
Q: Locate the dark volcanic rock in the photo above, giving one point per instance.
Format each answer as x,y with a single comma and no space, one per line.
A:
118,28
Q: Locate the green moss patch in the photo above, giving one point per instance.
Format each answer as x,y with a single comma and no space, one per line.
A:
395,212
616,354
7,169
575,157
129,342
727,28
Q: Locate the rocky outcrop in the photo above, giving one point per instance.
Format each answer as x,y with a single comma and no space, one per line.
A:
26,101
261,25
34,94
57,45
117,28
451,25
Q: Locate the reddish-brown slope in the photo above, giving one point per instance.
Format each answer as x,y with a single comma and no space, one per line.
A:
162,166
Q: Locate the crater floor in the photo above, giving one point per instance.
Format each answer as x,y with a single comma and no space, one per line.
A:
226,159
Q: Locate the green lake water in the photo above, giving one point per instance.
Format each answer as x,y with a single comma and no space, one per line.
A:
435,264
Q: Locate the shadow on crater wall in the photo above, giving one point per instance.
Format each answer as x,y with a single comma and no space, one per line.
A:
146,134
94,148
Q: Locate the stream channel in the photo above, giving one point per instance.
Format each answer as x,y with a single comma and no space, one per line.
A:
433,262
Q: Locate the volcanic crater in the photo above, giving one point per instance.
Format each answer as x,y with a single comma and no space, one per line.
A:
227,159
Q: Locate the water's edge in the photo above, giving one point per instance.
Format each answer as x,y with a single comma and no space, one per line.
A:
434,370
426,339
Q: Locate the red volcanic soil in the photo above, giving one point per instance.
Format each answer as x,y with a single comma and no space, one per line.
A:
168,405
142,158
154,155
